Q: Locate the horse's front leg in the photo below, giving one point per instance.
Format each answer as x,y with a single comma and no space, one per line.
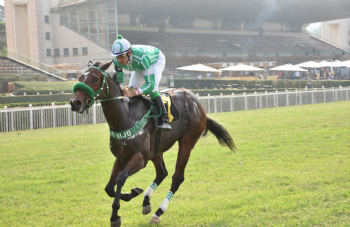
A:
134,165
113,181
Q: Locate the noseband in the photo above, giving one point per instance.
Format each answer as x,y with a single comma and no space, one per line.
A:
93,95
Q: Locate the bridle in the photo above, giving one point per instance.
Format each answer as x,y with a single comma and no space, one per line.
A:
93,95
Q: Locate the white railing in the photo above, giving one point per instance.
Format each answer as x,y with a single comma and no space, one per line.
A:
30,118
38,65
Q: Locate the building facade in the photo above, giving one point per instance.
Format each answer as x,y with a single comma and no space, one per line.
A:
337,33
53,32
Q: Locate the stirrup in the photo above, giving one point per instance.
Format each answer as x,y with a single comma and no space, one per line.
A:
164,126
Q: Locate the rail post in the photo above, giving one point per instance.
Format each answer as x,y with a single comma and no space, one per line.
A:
31,116
53,115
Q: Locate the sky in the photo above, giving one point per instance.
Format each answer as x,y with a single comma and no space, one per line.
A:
313,26
1,2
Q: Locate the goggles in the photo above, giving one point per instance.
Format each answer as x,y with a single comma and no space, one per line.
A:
122,56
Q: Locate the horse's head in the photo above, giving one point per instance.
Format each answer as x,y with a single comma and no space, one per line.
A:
90,86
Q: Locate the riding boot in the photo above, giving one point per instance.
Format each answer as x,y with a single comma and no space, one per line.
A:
163,120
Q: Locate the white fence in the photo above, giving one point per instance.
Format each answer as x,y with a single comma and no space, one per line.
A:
30,118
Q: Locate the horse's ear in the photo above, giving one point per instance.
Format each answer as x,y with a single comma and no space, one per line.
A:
106,66
90,63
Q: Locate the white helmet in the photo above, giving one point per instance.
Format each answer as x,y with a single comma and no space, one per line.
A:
120,46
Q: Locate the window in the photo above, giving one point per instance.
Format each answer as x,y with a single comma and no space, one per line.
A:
85,50
47,35
65,51
47,19
57,52
75,51
48,52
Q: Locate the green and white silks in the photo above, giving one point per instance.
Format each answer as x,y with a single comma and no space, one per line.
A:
147,64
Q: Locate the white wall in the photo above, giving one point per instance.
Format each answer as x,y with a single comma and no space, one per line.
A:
202,24
336,32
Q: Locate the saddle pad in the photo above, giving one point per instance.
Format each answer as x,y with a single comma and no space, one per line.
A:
167,103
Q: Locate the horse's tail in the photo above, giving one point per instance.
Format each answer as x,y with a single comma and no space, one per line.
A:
220,133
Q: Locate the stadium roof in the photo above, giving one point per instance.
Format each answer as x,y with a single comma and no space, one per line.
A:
293,12
279,11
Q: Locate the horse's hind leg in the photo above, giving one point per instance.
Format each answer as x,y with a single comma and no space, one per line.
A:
186,144
161,174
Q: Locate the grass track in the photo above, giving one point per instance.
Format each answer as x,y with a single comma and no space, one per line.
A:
292,169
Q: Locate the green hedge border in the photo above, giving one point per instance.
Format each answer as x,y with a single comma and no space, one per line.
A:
36,98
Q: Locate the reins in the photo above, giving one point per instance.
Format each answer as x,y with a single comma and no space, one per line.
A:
93,95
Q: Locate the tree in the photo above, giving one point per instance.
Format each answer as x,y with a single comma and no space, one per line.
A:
2,36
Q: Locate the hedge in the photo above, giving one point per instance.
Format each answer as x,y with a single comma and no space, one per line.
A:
35,98
31,88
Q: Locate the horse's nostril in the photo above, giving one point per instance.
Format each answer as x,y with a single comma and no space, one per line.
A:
75,104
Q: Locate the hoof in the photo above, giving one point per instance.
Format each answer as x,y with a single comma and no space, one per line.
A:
146,209
155,219
138,191
117,223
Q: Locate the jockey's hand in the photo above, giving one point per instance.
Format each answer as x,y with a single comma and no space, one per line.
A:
128,93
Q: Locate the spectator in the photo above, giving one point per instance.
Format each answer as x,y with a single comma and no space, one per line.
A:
208,75
310,85
297,75
265,75
199,76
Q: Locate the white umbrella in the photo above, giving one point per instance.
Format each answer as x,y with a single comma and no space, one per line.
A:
308,64
288,67
338,63
346,63
331,64
242,68
198,67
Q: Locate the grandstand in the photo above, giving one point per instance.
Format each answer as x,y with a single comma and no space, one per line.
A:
197,31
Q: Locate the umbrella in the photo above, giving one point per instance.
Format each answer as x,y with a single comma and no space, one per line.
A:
346,63
338,63
242,68
308,64
198,67
288,67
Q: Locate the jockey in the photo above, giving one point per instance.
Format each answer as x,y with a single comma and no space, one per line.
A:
147,64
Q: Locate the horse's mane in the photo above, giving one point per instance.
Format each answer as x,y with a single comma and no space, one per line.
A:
98,64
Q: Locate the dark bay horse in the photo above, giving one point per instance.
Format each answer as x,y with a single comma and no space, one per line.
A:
133,153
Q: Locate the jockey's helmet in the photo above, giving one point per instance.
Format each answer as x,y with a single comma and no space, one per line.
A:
120,46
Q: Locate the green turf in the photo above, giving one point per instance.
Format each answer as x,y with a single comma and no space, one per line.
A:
291,169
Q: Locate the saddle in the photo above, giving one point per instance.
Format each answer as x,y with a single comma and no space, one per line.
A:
173,113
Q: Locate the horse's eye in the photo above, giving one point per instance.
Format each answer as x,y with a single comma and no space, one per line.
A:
96,79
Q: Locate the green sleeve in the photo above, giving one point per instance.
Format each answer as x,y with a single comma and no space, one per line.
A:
120,77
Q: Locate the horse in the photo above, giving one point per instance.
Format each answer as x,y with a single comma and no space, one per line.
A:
133,153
